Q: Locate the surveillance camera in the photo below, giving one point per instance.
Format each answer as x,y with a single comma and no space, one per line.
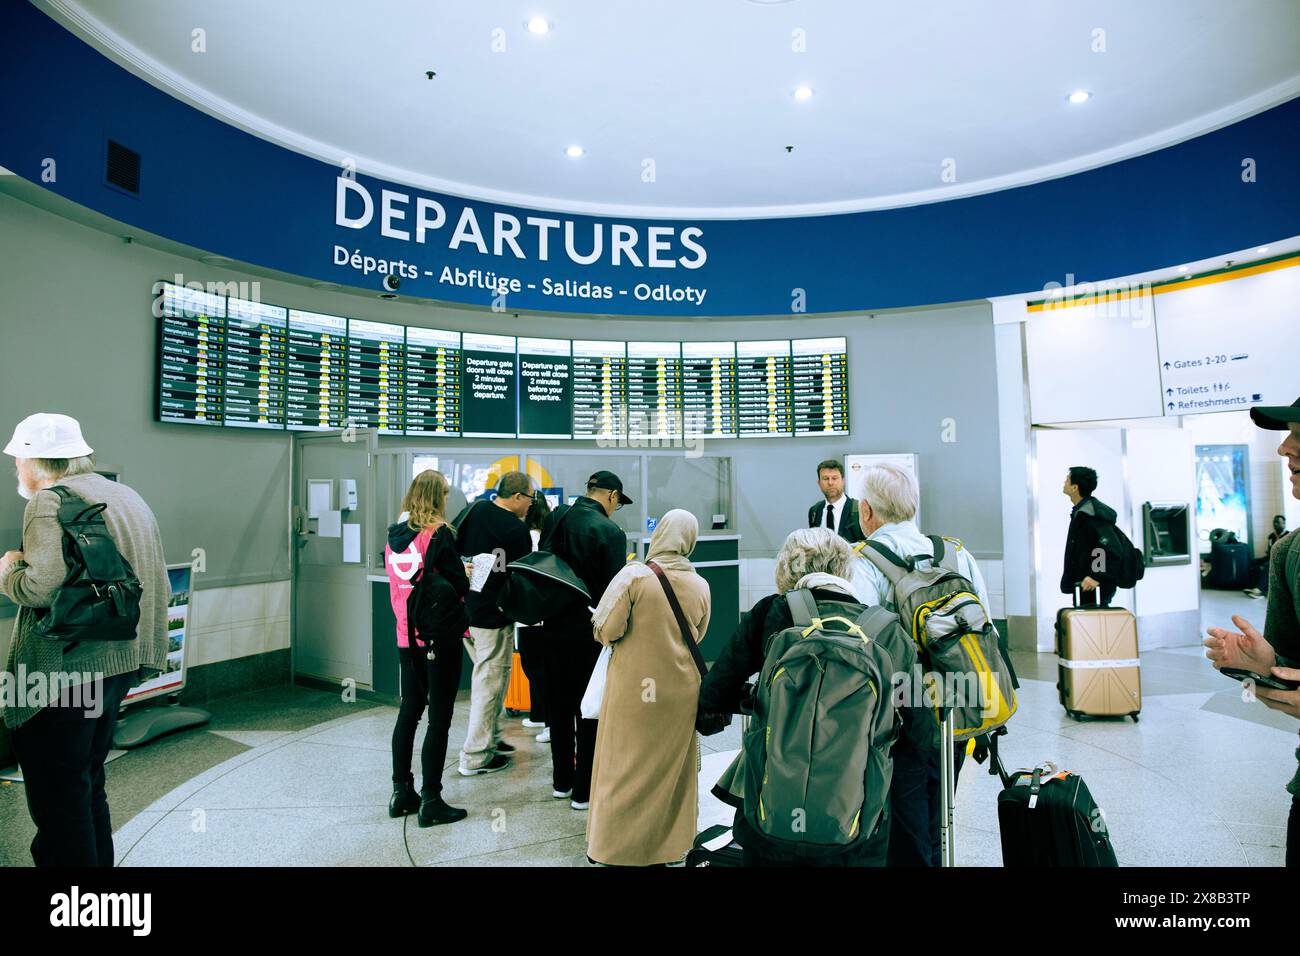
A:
392,283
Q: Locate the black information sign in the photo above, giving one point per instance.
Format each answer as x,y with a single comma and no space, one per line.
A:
709,389
191,348
545,388
599,389
316,366
376,376
820,392
763,403
432,382
489,386
255,357
654,389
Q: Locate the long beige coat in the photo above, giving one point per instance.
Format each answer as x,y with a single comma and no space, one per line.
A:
644,803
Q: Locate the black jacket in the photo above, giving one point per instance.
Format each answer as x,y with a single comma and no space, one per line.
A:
592,545
850,529
1092,526
483,529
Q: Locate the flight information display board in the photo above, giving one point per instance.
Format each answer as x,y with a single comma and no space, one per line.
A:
709,389
654,389
316,371
191,347
820,386
432,382
763,405
489,386
230,361
545,388
599,389
376,376
256,339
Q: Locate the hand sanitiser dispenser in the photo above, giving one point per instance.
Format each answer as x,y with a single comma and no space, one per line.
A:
347,494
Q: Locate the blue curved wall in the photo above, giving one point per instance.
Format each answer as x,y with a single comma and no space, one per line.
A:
210,185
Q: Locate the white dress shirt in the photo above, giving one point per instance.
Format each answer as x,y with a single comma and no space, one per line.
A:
836,518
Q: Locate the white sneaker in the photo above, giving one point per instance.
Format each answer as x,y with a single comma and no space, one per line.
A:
529,722
579,806
561,794
544,737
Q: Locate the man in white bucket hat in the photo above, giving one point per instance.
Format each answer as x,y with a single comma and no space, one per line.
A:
62,734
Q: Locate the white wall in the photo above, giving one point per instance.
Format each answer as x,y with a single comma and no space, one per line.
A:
1162,467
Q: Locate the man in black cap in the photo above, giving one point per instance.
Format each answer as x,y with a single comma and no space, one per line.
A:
1276,653
596,549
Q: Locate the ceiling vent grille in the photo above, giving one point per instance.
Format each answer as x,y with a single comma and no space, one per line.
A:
122,168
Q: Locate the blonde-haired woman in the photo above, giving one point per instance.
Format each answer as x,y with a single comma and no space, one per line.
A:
421,542
643,780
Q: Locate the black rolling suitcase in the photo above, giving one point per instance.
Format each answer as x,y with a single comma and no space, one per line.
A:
1048,818
715,847
1230,565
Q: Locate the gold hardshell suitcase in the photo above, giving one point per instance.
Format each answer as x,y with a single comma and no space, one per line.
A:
1100,675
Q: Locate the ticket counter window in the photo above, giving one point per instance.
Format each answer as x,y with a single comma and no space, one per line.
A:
570,473
701,486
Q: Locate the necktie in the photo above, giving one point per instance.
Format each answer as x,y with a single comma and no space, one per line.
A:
830,516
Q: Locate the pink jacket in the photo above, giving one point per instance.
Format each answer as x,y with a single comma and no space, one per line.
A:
402,567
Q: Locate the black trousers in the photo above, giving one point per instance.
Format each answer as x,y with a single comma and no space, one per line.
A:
915,803
571,654
432,684
61,752
532,657
1293,834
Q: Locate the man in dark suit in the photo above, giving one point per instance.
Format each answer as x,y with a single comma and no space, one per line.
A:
837,510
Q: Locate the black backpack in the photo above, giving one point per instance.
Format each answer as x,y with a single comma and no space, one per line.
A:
99,599
433,608
1128,562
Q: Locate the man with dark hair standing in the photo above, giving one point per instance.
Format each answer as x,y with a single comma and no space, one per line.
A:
837,511
494,528
596,549
1086,556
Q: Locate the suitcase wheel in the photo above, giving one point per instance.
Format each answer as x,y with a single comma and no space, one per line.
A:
1072,714
1135,717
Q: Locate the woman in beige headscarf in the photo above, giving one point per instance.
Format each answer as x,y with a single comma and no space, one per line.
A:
643,783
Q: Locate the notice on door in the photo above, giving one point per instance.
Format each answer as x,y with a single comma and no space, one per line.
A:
489,386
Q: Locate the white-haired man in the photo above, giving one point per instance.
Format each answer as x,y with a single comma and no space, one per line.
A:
887,515
61,742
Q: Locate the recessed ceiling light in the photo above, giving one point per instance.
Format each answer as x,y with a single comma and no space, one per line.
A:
539,25
1182,268
574,152
215,260
803,93
1262,249
1079,96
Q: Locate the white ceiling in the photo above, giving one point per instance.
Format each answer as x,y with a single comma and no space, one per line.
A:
704,89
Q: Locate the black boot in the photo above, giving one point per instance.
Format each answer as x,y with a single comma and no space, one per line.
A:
405,800
434,811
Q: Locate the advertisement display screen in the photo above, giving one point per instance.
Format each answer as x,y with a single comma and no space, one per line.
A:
256,337
545,388
191,356
179,623
489,386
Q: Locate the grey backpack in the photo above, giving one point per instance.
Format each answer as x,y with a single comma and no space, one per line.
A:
817,764
956,640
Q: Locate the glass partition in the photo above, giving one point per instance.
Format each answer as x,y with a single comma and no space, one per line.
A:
570,472
701,486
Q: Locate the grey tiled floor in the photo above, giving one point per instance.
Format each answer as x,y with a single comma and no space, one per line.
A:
297,778
1190,785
